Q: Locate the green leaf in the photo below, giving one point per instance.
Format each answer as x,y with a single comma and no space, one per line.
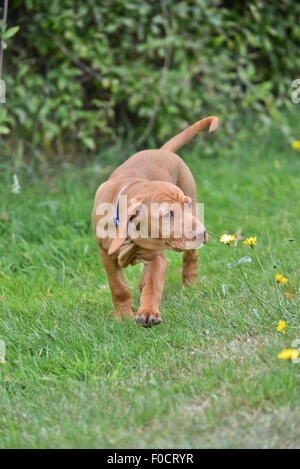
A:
4,130
10,32
89,142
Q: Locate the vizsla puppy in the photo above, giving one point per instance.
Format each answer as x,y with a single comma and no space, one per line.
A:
151,194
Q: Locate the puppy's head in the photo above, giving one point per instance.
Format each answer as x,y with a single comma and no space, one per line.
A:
161,218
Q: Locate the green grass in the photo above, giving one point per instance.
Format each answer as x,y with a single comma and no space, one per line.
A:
75,378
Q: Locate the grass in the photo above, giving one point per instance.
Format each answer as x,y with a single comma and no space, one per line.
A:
209,376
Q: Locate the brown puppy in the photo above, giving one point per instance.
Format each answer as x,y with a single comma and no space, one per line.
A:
157,194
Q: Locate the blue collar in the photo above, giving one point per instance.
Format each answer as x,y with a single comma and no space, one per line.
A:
117,219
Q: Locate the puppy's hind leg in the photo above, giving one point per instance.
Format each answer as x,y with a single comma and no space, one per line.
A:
143,277
187,184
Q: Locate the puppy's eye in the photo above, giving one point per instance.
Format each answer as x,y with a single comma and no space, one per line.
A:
168,215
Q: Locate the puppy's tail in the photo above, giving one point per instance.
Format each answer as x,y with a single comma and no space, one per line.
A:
186,135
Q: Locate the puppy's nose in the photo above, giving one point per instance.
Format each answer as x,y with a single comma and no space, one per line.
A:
201,234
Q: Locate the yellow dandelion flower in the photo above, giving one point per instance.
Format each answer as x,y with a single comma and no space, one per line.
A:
288,294
281,326
226,239
250,241
288,354
280,278
296,145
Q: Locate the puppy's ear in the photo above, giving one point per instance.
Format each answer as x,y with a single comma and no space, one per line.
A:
187,200
116,243
122,229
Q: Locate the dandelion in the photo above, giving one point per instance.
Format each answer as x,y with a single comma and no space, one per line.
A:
226,239
288,354
288,294
280,278
250,241
281,326
295,145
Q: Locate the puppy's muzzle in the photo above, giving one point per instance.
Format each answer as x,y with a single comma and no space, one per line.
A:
200,236
197,238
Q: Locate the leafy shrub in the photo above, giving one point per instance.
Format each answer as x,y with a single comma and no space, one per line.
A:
82,72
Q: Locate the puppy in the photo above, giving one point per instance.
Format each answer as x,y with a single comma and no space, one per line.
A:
148,205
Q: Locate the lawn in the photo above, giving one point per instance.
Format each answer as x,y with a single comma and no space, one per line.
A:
209,375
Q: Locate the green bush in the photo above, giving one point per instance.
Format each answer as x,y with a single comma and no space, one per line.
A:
80,73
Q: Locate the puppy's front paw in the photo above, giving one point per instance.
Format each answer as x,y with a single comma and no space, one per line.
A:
122,313
146,317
